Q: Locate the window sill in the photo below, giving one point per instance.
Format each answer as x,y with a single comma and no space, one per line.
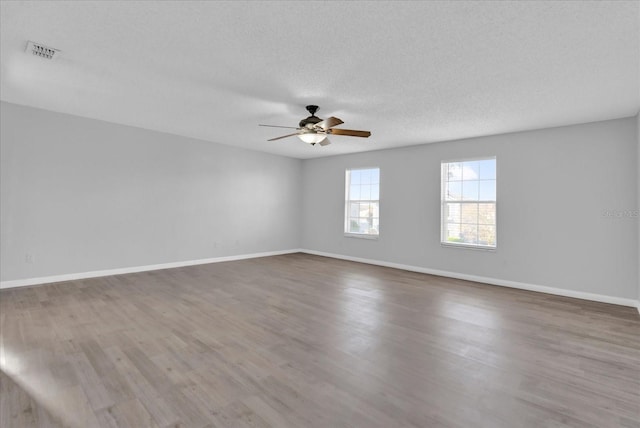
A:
468,247
361,236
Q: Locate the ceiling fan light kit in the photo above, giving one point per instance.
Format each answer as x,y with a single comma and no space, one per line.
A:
312,137
313,130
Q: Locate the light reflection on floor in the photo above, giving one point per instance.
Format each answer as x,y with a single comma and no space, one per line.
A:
360,302
472,314
68,405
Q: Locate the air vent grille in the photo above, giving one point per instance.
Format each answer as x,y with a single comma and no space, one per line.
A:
42,51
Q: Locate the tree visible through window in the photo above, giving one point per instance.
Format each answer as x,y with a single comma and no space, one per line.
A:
362,197
469,203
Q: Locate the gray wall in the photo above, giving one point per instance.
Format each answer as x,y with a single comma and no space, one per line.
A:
82,195
638,201
553,187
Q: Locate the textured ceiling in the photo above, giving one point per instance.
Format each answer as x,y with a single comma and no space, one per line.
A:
411,73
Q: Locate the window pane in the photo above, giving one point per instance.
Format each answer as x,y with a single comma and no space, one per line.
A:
487,214
452,213
354,192
375,176
375,192
355,176
469,233
454,171
470,190
364,225
487,235
365,192
452,232
354,209
365,176
453,191
469,213
376,209
487,169
376,225
487,190
470,170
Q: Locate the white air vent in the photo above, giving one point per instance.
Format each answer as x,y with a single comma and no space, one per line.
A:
41,50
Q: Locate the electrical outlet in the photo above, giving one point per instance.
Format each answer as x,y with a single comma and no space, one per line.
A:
28,258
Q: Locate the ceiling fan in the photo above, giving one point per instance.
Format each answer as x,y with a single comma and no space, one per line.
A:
314,130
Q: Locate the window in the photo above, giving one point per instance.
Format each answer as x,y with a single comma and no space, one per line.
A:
469,203
362,207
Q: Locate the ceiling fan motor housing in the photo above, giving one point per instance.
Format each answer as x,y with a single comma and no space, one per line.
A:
311,120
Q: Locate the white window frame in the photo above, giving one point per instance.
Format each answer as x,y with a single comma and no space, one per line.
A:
443,223
347,217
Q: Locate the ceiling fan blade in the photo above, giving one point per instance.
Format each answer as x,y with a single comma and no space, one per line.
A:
284,136
278,126
325,142
349,132
329,122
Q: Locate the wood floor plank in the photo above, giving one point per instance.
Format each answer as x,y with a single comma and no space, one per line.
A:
307,341
125,414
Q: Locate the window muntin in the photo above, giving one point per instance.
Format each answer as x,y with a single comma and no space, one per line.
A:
468,202
362,202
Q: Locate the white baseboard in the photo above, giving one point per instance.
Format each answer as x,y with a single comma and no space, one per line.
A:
494,281
119,271
487,280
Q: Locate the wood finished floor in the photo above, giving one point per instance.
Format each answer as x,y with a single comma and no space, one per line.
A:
307,341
